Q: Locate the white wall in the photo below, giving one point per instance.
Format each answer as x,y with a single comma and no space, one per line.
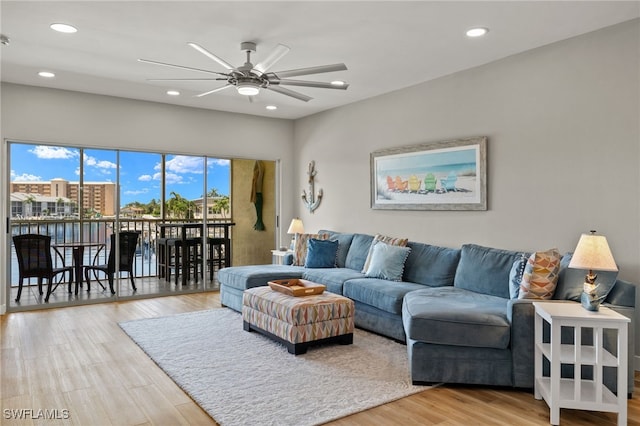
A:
79,119
562,123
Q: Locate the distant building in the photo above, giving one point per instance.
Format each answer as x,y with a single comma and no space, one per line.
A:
36,205
212,213
97,197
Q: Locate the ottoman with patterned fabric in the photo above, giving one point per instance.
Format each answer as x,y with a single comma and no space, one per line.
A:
298,322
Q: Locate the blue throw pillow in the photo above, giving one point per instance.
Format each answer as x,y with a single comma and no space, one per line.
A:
387,261
321,254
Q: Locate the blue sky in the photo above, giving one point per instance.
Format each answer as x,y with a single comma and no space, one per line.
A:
139,171
426,160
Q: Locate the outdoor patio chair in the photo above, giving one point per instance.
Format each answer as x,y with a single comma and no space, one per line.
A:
127,242
35,261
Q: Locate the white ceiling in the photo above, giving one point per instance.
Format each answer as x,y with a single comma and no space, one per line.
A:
386,45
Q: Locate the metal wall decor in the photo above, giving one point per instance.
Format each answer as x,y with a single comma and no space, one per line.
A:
311,201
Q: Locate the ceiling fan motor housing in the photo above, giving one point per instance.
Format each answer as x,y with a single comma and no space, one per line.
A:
248,46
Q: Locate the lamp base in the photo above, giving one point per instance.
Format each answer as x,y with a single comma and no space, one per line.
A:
589,302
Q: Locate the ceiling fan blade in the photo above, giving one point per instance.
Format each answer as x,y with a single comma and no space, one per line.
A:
305,83
210,55
164,64
187,79
274,56
213,91
310,70
285,91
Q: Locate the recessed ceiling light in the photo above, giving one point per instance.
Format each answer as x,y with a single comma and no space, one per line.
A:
271,107
338,83
173,93
63,28
46,74
477,32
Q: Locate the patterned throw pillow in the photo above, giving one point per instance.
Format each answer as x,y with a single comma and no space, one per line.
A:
540,275
402,242
300,247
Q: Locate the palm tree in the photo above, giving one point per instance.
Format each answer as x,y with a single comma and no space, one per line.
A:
213,193
221,205
180,207
28,204
59,202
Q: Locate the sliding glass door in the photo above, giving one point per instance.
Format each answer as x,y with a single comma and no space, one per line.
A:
80,197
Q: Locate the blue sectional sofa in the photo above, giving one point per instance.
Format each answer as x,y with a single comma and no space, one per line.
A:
452,308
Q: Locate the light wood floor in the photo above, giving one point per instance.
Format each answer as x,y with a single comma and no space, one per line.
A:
78,359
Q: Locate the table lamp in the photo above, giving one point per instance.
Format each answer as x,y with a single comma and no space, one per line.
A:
592,253
296,227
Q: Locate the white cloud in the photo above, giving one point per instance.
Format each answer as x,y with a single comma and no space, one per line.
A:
172,178
185,164
218,162
145,178
25,177
53,152
102,164
136,192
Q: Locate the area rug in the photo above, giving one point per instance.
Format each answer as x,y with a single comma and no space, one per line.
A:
243,378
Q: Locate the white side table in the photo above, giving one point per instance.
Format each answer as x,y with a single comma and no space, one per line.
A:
278,256
579,393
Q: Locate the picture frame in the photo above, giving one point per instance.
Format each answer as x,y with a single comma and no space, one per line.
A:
443,175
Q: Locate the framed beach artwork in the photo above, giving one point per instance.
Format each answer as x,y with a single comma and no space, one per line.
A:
445,175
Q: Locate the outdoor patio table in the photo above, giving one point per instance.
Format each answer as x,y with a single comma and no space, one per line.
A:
77,254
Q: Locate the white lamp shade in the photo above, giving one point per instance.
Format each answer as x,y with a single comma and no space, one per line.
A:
296,227
593,252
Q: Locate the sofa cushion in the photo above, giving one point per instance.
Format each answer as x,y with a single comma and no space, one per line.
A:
333,278
540,275
387,261
571,280
393,241
485,270
457,317
321,254
431,265
244,277
382,294
358,251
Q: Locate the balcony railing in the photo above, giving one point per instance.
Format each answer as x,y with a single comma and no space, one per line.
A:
99,231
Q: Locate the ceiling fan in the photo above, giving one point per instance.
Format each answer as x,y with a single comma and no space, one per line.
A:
248,79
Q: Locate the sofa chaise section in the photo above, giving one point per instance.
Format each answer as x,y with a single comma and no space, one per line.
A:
235,280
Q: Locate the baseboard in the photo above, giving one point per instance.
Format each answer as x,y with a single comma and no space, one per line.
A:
3,310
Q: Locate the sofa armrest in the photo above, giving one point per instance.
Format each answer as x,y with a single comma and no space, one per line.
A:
521,315
622,294
287,259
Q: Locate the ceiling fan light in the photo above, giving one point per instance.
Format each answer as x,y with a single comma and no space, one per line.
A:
248,89
63,28
477,32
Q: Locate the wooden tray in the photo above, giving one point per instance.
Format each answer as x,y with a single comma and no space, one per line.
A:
296,287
